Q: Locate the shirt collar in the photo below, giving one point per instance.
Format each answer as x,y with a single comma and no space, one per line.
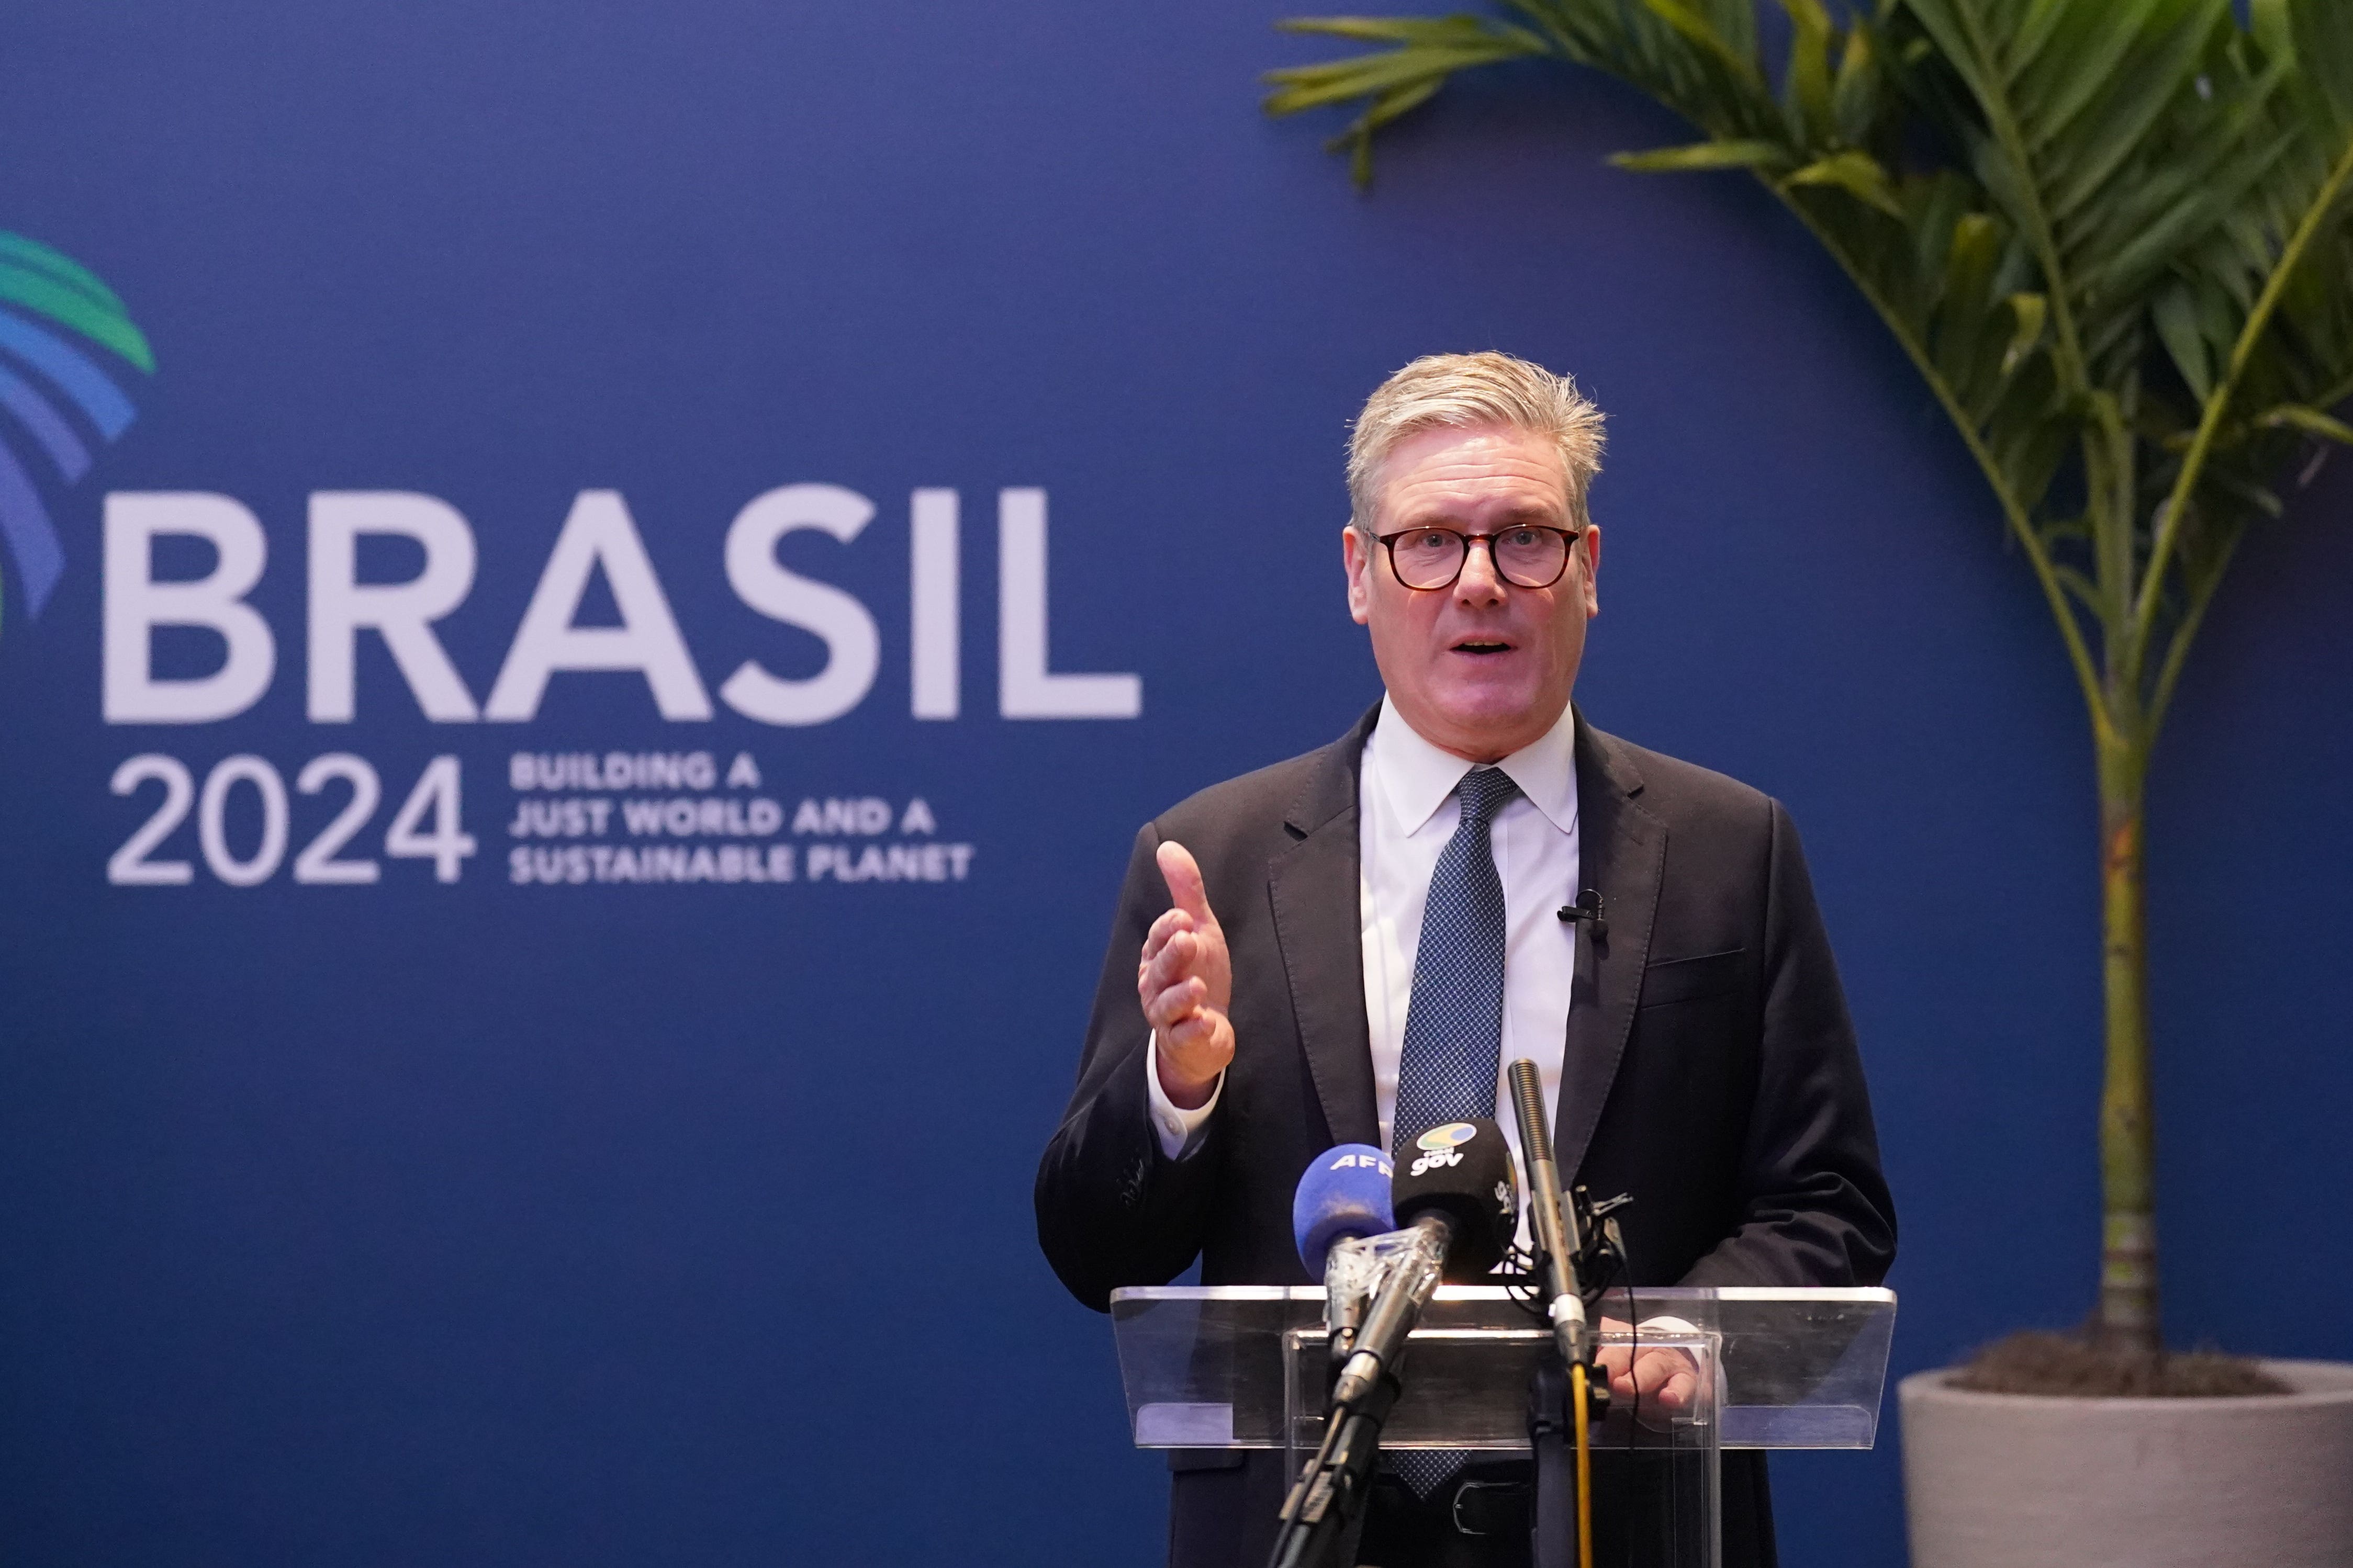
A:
1417,776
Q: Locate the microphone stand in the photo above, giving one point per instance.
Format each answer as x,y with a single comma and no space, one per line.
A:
1324,1514
1563,1447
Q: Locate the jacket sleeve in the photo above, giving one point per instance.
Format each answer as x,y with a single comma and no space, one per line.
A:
1814,1208
1112,1208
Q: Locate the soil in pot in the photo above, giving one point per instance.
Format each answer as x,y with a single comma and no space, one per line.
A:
2076,1366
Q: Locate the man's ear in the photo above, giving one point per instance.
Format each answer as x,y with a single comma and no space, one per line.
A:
1357,559
1591,545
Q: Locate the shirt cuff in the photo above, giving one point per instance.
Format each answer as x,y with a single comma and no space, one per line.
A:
1180,1131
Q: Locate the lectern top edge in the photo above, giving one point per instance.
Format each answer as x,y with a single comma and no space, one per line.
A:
1859,1295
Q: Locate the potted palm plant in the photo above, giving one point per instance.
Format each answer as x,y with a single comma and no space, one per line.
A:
2115,239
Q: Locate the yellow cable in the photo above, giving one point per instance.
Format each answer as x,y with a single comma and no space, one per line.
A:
1584,1468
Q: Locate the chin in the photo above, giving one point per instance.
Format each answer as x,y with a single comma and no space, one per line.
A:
1507,715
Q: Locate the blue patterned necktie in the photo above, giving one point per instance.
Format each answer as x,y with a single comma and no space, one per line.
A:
1454,1024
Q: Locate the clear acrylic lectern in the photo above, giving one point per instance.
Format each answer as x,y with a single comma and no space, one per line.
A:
1247,1367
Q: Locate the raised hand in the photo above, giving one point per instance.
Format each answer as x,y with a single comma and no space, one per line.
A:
1185,979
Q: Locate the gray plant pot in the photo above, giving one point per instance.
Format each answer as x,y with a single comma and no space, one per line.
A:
2009,1480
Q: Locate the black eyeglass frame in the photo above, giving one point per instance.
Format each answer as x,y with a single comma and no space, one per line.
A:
1389,542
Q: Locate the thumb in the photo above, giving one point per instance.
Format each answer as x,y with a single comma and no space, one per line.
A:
1182,875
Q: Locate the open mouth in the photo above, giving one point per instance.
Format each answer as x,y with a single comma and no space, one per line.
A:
1480,647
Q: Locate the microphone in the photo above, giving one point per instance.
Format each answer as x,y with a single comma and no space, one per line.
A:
1344,1197
1463,1172
1457,1206
1458,1198
1588,908
1551,1225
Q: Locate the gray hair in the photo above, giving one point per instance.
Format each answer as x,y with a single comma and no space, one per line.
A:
1467,392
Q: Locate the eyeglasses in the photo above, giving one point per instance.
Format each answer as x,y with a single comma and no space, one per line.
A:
1527,557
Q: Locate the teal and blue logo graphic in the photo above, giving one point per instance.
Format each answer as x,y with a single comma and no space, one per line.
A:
59,398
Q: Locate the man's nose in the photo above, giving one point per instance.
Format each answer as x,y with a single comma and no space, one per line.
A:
1479,583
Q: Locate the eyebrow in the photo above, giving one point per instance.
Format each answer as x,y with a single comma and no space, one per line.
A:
1540,515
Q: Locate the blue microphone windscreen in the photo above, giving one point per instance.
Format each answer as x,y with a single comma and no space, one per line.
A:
1344,1196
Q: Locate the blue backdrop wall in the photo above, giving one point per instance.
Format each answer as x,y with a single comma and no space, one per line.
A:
463,1217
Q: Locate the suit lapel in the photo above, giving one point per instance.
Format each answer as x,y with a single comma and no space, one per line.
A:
1314,886
1622,853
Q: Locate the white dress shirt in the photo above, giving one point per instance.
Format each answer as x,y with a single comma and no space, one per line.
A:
1401,832
1405,818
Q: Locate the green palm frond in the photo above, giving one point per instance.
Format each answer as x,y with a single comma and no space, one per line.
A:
2123,264
2119,195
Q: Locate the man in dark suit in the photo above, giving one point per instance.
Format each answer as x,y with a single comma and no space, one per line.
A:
1321,952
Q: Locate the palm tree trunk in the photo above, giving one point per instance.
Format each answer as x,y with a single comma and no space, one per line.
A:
2128,1316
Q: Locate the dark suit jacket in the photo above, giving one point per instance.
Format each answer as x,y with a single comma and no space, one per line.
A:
1710,1069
